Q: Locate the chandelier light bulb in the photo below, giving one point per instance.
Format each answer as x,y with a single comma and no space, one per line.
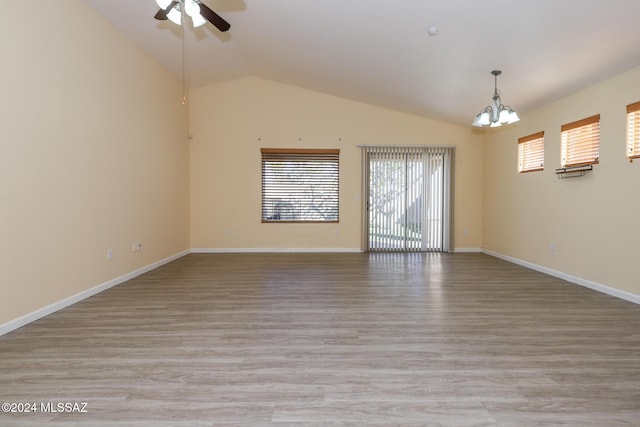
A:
513,117
503,117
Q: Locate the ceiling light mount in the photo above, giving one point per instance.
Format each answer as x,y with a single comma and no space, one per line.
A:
496,114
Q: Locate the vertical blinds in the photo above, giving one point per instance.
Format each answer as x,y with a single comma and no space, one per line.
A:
531,153
409,196
300,185
633,130
581,142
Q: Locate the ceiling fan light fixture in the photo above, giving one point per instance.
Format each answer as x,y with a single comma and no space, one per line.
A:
191,7
198,21
175,15
496,114
193,10
199,13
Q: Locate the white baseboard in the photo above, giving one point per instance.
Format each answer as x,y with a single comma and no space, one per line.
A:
52,308
628,296
466,250
270,250
299,250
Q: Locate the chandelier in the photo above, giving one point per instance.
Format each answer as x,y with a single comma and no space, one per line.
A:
496,114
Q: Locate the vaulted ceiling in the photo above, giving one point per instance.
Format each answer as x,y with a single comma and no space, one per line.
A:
379,51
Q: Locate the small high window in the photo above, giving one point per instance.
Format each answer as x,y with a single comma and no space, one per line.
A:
633,131
531,153
581,142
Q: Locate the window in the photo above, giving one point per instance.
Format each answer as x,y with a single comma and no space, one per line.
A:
300,185
581,142
409,191
531,153
633,131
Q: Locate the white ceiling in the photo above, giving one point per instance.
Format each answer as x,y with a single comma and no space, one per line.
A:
379,51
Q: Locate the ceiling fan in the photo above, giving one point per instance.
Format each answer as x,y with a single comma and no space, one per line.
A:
197,10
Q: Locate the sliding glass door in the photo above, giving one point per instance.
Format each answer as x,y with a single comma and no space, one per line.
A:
408,204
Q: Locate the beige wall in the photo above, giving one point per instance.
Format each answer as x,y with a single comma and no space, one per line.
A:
231,121
593,220
93,155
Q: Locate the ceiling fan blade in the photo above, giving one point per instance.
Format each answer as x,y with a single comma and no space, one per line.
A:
214,18
161,15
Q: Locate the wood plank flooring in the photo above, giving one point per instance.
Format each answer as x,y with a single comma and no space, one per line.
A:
331,339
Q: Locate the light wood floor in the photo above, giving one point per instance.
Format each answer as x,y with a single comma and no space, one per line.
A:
332,339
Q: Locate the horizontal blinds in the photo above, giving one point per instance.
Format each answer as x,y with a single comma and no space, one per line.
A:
531,153
633,130
300,185
581,142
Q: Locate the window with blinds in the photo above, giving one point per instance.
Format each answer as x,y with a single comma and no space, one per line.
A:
409,198
531,153
581,142
300,185
633,131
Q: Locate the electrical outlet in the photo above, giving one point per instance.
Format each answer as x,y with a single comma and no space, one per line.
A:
109,254
552,246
